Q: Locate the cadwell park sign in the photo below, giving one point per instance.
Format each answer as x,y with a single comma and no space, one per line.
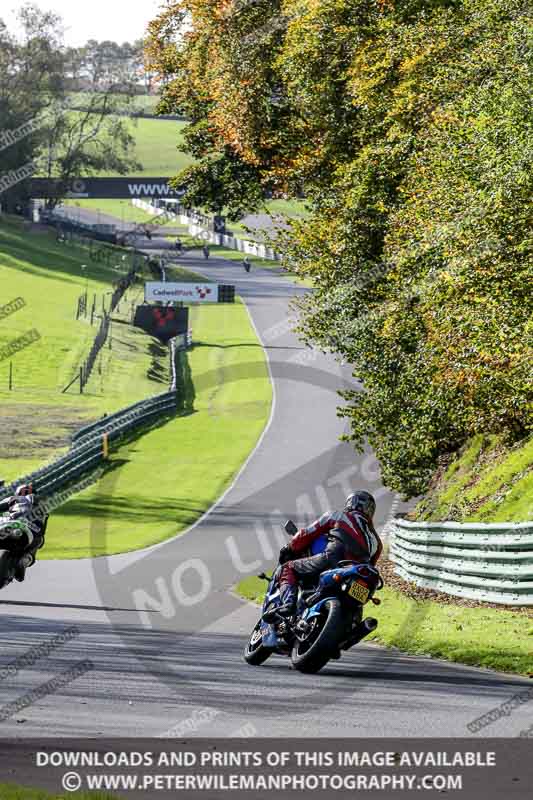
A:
169,292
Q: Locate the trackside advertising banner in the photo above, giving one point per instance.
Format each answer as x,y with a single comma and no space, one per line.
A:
180,292
106,188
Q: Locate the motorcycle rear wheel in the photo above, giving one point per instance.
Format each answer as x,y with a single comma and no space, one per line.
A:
310,655
255,653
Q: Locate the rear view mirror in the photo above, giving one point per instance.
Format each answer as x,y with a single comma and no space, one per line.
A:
291,528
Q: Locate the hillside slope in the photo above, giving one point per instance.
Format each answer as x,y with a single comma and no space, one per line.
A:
37,417
487,481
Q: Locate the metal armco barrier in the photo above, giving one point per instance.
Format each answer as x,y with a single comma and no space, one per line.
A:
87,449
491,562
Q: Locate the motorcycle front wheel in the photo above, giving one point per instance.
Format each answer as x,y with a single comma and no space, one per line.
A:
255,653
313,651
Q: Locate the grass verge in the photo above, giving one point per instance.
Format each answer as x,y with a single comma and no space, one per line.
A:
10,792
161,483
481,637
487,481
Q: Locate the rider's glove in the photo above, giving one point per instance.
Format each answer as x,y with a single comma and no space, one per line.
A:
285,554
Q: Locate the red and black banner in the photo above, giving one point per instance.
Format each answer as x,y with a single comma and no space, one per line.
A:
163,322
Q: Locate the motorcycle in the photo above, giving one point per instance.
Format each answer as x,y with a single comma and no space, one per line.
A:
21,535
15,535
328,620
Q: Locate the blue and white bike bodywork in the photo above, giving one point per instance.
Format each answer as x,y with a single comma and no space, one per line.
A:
328,620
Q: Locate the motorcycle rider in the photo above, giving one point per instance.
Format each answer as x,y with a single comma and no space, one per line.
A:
349,535
24,506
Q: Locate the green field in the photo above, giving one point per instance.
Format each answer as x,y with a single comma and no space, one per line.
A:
158,143
168,477
157,147
37,417
481,637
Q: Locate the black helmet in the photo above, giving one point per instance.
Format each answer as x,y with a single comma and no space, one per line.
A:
363,502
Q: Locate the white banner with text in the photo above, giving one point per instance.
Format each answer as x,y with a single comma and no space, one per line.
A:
168,292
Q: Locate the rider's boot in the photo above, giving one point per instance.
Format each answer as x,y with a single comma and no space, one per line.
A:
288,605
289,595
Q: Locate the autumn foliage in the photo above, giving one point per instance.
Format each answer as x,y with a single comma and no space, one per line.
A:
407,123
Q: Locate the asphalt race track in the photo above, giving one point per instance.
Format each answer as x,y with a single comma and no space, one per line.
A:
165,633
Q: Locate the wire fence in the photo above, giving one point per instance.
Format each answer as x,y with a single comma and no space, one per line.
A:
102,335
70,232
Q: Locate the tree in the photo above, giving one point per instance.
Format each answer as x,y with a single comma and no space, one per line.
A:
30,79
88,142
203,52
407,123
38,74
